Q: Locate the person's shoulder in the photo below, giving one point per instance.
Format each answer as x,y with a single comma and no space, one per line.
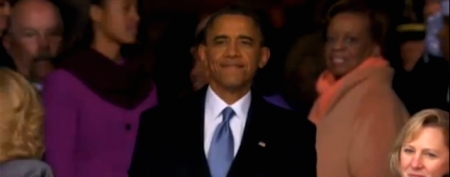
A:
26,168
381,101
61,75
380,96
441,67
290,128
31,163
175,108
277,111
287,118
60,82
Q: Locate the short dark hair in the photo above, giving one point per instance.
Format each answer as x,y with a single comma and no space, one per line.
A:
234,10
199,38
378,23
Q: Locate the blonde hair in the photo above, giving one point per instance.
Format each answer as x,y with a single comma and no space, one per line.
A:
435,118
21,116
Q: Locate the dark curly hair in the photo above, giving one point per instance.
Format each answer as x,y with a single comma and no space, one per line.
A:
378,21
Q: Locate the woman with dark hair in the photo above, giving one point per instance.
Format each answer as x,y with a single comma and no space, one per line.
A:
357,113
94,101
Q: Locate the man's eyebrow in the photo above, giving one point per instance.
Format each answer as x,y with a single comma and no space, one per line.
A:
246,37
220,37
24,28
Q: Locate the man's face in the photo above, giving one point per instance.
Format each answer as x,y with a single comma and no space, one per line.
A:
34,33
233,51
411,51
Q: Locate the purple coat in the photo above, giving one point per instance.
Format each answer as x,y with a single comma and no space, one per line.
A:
86,136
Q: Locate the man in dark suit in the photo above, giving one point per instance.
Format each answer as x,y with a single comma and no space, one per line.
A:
226,129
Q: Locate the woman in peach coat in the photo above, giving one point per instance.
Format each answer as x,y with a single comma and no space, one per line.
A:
357,114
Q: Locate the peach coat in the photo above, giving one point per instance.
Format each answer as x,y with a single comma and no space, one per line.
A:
356,132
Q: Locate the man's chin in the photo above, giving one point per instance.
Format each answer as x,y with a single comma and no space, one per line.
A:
199,85
235,86
128,41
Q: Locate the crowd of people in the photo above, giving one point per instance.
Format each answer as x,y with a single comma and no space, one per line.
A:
81,105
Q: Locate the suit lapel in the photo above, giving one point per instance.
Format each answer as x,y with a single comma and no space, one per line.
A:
198,166
253,135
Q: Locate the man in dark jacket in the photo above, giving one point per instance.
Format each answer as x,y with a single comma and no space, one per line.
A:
423,81
5,59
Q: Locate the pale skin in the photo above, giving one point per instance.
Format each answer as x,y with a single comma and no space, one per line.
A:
426,156
232,54
35,30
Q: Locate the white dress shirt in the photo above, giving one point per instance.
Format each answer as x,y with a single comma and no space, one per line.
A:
214,106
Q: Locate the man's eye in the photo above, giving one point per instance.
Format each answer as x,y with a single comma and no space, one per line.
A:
29,34
246,42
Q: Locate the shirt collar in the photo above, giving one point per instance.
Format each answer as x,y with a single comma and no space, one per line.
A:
37,86
215,105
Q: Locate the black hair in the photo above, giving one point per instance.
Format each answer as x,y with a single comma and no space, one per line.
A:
378,23
234,10
85,35
199,38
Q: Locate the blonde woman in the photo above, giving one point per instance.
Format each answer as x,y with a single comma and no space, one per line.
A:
21,136
421,149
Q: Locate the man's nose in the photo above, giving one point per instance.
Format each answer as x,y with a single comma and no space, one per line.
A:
232,50
43,42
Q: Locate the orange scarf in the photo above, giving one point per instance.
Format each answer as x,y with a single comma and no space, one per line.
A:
327,86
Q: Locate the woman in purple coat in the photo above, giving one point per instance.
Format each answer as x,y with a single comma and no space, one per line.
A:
93,102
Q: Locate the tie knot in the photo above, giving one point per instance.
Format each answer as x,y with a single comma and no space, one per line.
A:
227,113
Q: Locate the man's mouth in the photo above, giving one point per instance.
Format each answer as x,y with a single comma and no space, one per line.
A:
238,66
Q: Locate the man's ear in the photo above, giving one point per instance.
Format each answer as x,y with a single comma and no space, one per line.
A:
201,52
376,52
264,58
95,13
6,42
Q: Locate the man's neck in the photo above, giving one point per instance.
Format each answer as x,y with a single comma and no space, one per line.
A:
230,96
22,68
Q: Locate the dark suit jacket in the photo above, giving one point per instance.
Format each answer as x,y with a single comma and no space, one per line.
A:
5,59
426,86
170,142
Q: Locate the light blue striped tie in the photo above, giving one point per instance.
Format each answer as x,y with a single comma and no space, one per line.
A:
221,151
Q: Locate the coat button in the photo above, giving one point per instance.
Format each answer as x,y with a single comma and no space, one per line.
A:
127,126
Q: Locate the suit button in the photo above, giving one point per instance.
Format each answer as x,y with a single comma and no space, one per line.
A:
127,126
